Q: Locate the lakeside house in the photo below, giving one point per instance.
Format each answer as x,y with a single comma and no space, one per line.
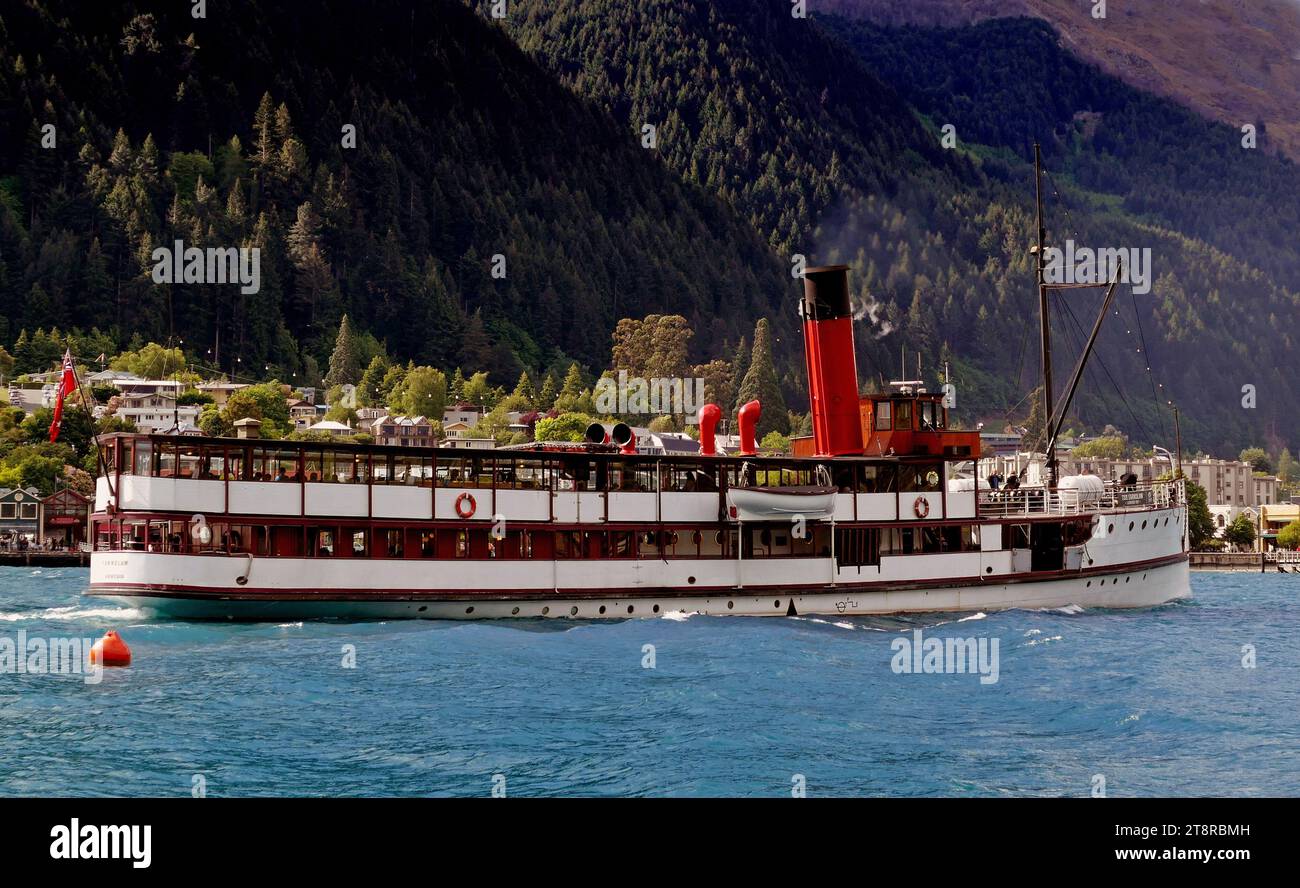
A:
403,431
20,515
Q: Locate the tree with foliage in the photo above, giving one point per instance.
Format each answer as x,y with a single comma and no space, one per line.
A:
1105,447
264,401
1258,459
546,398
1288,538
345,361
653,348
1286,470
1200,523
775,442
761,383
1241,532
525,390
478,390
423,392
565,427
151,361
370,390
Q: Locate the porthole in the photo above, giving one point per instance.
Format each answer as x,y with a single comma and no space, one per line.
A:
423,608
717,537
602,608
1092,561
1089,586
1127,579
469,610
1144,525
573,611
989,569
1110,528
514,612
731,605
1115,582
696,537
777,603
630,608
545,611
1130,527
691,580
656,608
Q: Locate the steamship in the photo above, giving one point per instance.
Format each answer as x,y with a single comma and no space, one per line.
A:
879,511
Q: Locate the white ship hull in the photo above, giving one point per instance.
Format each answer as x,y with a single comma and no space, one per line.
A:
1140,587
1140,568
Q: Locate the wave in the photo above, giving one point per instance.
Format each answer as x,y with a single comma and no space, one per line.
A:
71,614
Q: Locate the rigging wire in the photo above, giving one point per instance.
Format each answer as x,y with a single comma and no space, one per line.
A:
1141,349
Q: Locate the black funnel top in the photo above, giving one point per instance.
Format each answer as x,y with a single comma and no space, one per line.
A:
826,293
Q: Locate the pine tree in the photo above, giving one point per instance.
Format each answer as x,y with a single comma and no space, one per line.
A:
572,381
739,367
345,362
456,391
761,383
526,389
546,399
370,391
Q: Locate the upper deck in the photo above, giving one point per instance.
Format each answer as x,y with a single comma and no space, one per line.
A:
582,484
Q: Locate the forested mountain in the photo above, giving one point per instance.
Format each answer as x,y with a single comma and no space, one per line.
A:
938,238
229,130
773,136
1235,62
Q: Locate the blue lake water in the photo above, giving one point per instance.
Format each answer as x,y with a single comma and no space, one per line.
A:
1157,701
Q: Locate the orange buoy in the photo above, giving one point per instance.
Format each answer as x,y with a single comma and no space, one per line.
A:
110,650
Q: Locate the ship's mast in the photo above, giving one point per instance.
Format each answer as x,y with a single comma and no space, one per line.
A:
1044,323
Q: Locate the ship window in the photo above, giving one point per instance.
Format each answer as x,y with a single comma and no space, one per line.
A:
236,463
568,544
189,462
903,415
597,544
878,479
622,544
358,547
275,465
883,416
462,543
631,477
320,541
428,544
344,467
930,413
392,541
919,478
166,460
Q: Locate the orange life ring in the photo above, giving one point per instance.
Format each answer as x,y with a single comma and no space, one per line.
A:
921,507
461,509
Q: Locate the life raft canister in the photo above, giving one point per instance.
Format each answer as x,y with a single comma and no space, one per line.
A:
465,505
921,507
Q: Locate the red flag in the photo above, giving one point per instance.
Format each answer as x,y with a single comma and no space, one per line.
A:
66,386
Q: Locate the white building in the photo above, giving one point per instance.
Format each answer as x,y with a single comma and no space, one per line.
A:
157,411
331,428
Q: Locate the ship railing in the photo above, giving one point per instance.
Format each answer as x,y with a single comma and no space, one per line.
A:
1115,497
